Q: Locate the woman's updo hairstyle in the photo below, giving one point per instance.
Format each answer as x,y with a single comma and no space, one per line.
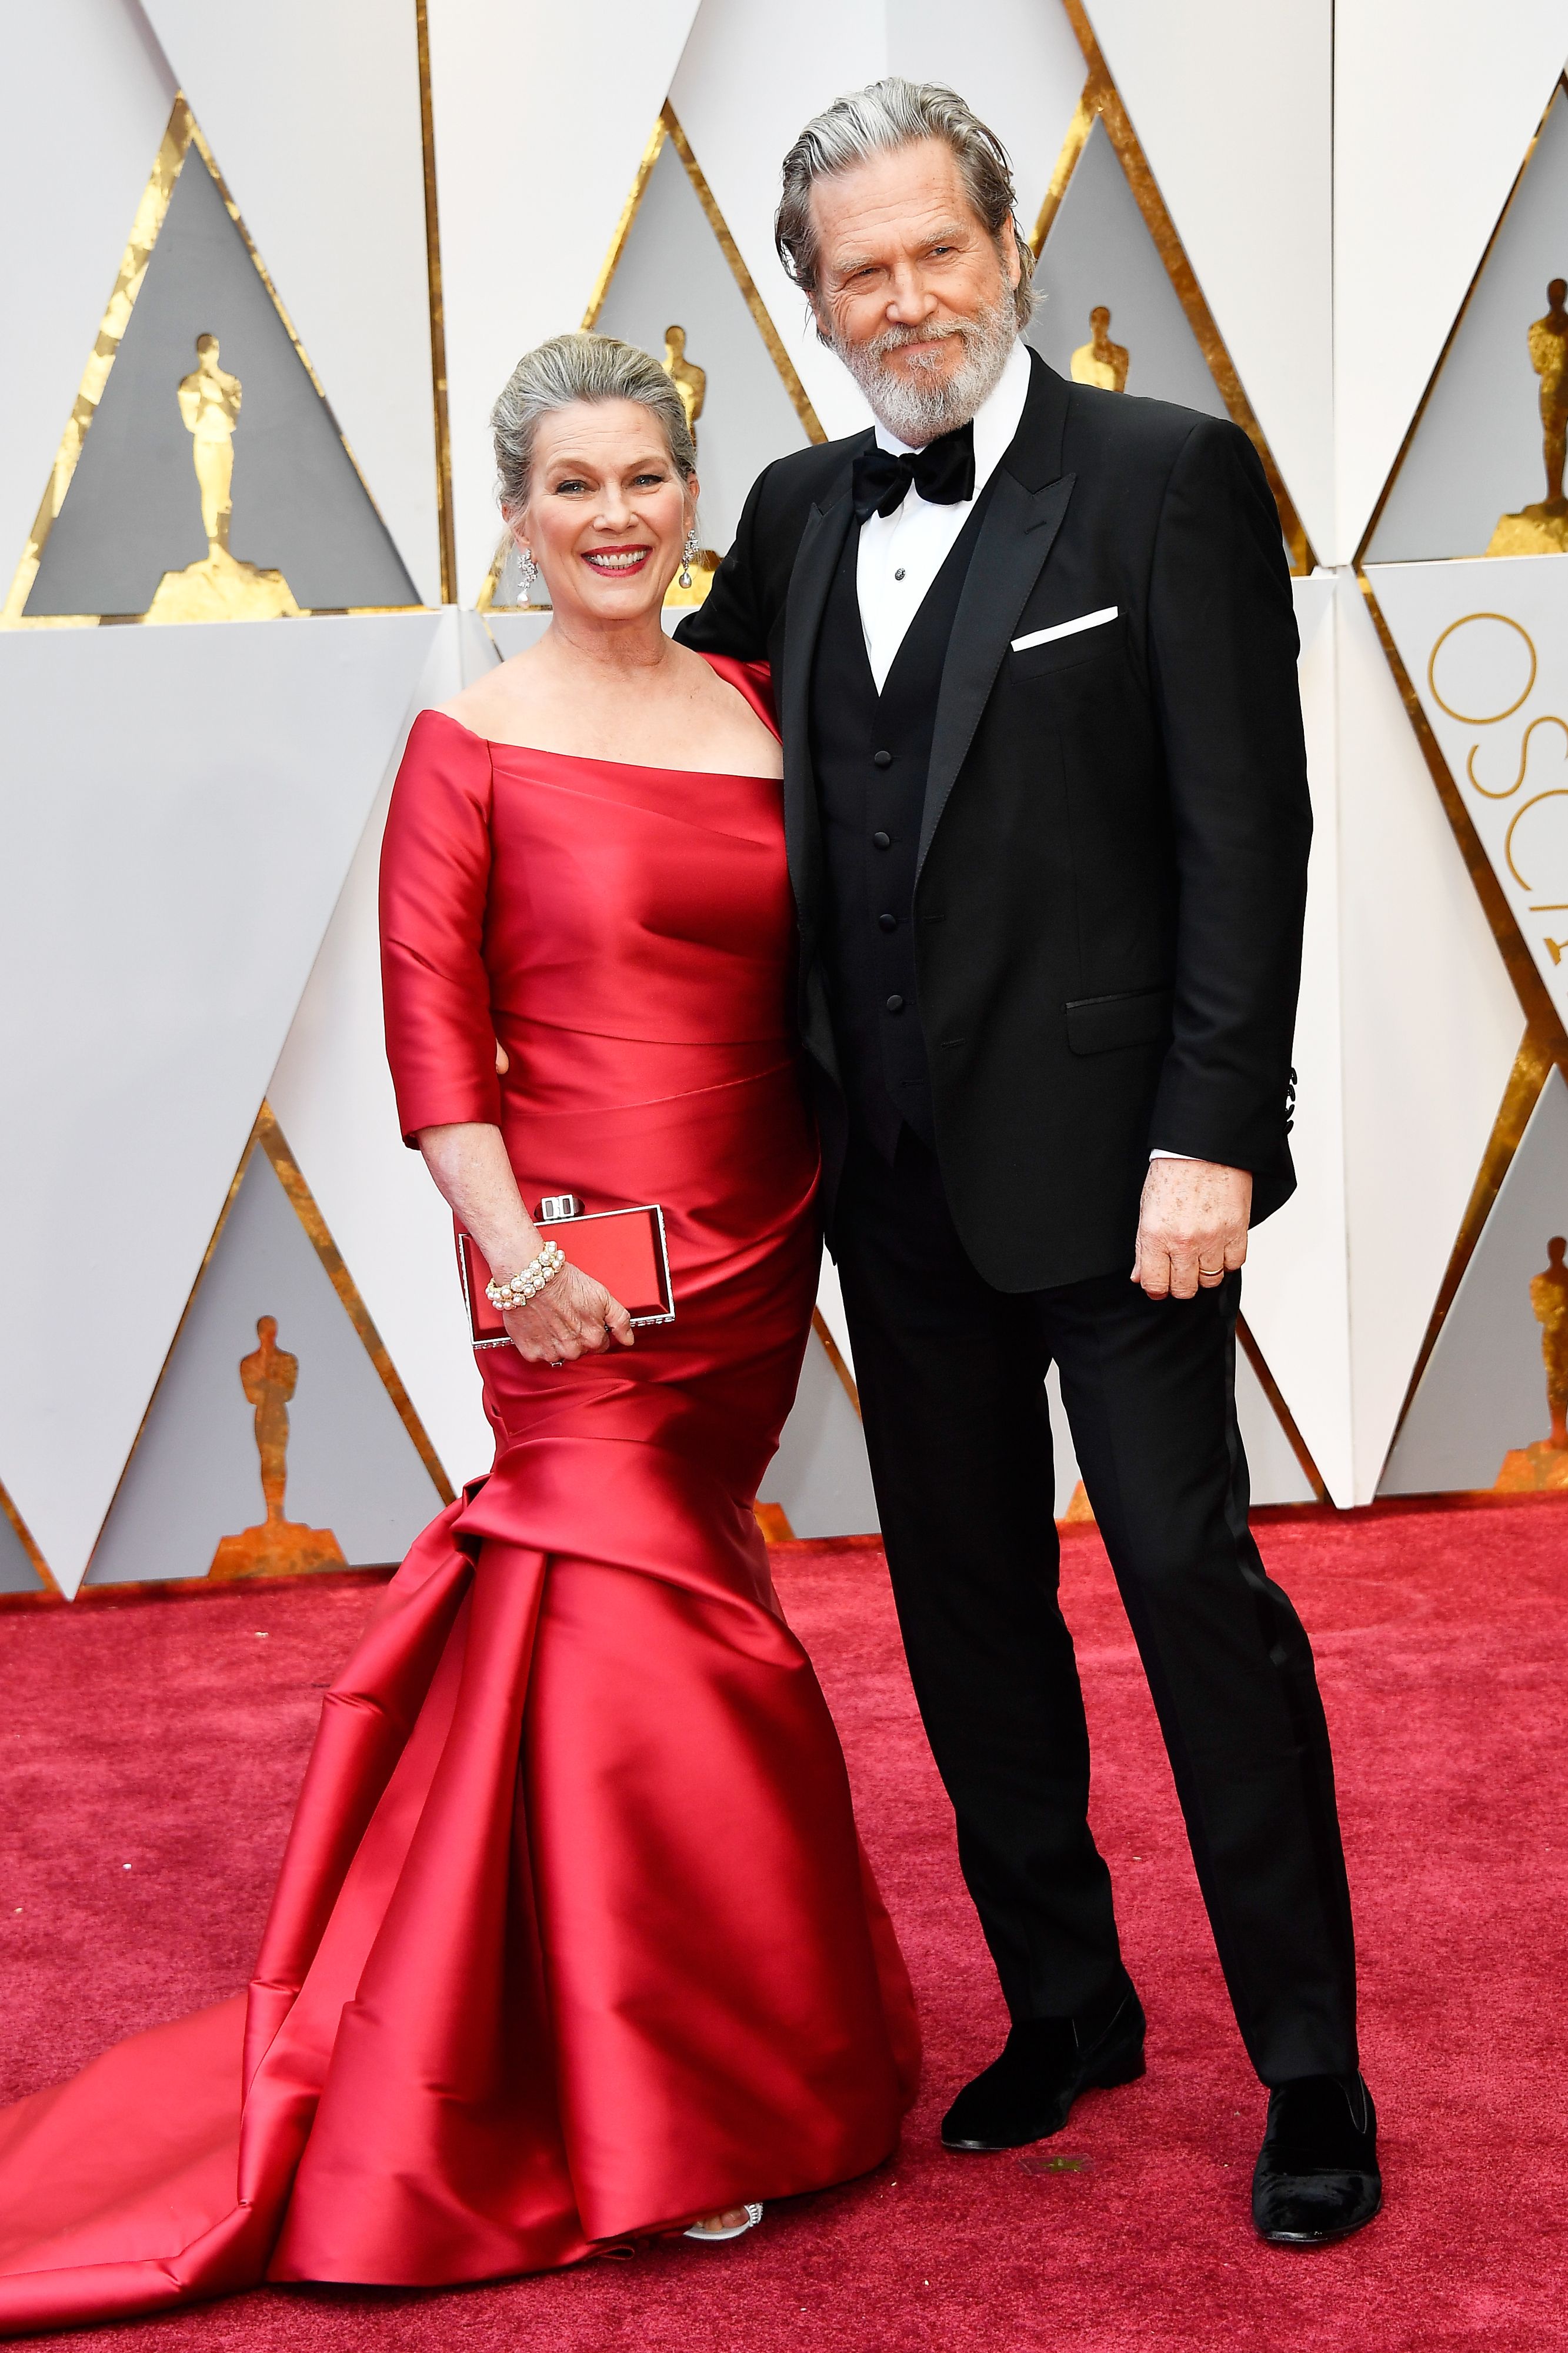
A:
580,367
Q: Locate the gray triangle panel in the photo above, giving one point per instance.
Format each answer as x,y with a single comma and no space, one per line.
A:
1483,1393
194,1478
1099,250
133,511
1476,453
18,1574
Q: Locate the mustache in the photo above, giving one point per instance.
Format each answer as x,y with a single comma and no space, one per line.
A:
903,339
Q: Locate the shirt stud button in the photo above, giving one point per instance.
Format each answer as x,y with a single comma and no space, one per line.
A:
881,759
889,922
900,572
895,1003
883,841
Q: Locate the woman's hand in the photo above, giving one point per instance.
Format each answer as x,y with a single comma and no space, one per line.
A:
571,1316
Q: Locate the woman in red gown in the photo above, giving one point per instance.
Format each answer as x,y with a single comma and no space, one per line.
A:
573,1939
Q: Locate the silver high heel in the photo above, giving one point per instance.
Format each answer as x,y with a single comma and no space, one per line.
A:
717,2237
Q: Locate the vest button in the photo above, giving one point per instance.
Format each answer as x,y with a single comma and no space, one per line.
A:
883,841
895,1003
889,922
881,759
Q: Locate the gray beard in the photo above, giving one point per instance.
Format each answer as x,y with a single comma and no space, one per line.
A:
914,412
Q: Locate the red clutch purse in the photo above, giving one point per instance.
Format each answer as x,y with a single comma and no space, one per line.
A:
623,1249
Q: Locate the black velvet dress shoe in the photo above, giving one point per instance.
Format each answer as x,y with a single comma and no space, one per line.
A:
1317,2176
1028,2094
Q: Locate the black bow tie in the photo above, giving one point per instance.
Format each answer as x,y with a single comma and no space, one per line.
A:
943,473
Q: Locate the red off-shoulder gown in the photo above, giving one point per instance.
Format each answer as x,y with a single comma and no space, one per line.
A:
573,1938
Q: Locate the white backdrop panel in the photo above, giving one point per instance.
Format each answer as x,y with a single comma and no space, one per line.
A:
1431,1029
84,102
1434,109
332,1093
1233,105
1294,1290
542,116
180,811
312,114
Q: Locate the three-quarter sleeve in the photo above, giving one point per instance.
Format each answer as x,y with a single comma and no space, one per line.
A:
434,878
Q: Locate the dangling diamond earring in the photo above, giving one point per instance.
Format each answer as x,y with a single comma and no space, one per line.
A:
687,552
526,573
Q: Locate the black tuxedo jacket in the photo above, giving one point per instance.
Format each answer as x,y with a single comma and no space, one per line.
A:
1112,869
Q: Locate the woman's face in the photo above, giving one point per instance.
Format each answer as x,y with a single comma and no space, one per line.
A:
607,513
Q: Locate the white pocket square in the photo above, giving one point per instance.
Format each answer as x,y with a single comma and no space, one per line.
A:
1066,628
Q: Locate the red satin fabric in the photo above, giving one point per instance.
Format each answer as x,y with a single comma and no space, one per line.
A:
573,1937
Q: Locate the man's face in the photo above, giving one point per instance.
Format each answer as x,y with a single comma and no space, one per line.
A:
903,258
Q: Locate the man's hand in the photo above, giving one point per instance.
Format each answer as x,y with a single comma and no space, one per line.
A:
1192,1227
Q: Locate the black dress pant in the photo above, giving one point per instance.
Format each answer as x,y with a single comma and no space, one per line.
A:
951,1374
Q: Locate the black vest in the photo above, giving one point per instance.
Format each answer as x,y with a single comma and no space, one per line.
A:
870,754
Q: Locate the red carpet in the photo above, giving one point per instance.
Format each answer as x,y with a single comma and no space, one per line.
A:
169,1736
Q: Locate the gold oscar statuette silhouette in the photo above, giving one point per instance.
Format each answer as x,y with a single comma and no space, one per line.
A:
691,383
1542,529
278,1547
1099,361
219,588
1528,1469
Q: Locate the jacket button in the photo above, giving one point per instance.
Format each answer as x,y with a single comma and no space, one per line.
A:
889,922
895,1003
881,759
883,841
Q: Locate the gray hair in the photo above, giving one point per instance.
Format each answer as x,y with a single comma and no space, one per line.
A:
580,367
884,116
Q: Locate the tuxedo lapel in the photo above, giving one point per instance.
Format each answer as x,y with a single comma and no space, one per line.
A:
1017,535
811,579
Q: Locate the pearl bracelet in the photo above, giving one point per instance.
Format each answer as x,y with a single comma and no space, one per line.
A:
528,1279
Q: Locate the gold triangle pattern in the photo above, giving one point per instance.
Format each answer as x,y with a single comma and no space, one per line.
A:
444,518
183,133
267,1137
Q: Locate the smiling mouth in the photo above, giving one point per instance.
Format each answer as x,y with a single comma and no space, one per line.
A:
616,563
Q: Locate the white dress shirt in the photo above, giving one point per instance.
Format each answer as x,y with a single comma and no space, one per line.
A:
901,554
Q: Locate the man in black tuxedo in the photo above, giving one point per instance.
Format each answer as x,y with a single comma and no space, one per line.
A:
1047,821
